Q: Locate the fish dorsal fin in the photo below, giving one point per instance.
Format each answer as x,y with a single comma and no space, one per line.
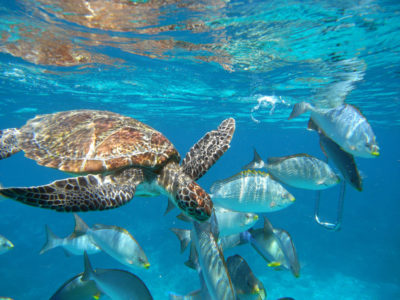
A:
89,272
268,229
256,163
183,236
80,226
278,160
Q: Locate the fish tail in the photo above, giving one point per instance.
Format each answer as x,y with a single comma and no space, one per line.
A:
170,207
52,241
256,163
80,226
299,108
88,273
183,236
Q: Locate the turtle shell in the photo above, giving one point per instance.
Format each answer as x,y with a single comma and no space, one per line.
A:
90,141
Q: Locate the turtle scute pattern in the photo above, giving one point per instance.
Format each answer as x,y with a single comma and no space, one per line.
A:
8,142
84,193
88,141
208,149
195,201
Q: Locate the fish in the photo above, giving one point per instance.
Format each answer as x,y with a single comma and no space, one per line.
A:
247,285
343,160
275,246
251,191
116,284
212,262
299,170
116,242
345,125
76,288
229,221
74,244
5,245
207,258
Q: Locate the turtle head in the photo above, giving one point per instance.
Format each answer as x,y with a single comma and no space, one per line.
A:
194,201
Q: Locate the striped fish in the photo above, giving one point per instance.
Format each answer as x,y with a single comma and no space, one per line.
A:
251,191
343,124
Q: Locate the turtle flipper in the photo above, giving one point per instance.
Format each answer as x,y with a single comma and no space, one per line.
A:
208,149
84,193
8,142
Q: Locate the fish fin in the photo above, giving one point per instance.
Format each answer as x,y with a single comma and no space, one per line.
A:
299,108
312,126
183,236
80,226
256,163
183,217
88,273
322,147
52,241
193,260
268,229
274,264
170,207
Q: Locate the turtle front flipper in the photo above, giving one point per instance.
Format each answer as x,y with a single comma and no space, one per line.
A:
8,142
208,149
84,193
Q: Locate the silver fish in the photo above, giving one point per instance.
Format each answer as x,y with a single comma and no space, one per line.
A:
5,245
74,244
275,246
116,284
229,221
207,258
251,191
247,285
343,124
299,170
76,288
343,161
116,242
212,263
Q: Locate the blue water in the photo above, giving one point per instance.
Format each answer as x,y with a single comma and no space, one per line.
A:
182,67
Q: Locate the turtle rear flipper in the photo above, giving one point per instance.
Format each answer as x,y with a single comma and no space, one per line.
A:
84,193
208,149
8,142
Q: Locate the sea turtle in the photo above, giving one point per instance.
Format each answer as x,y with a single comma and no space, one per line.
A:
115,157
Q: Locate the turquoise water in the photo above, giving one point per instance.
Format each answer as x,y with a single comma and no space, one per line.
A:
182,67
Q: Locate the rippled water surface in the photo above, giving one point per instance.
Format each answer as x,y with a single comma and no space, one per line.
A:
182,67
